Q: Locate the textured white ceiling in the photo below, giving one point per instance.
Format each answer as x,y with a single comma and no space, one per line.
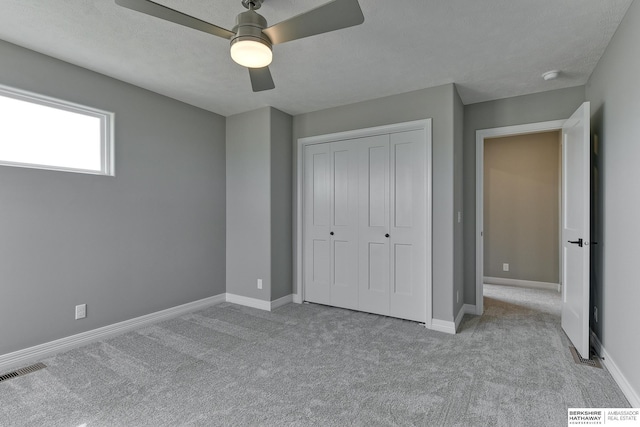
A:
490,48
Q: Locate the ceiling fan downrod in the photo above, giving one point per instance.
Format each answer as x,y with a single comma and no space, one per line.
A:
252,4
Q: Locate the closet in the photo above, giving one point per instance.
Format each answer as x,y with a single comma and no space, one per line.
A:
365,216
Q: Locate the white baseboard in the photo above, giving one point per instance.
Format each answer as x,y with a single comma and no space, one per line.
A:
258,303
465,309
297,298
41,351
459,317
281,301
522,283
632,395
443,326
249,302
471,309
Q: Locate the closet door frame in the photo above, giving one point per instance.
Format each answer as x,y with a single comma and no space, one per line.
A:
425,125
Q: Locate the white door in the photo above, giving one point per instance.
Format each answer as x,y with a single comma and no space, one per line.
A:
407,225
317,223
576,169
330,224
374,224
344,225
393,218
364,221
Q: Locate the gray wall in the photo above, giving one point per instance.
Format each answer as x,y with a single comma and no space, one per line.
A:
614,92
522,207
249,204
539,107
458,182
281,207
150,238
259,188
436,103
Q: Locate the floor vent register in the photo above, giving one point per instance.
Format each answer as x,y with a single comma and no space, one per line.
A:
593,360
22,371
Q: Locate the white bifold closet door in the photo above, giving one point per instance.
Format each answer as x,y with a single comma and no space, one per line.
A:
365,224
392,225
331,224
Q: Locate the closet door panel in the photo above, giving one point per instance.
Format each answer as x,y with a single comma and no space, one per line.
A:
378,270
402,261
376,183
317,223
403,174
374,224
408,217
344,225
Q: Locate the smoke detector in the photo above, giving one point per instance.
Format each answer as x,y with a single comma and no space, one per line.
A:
551,75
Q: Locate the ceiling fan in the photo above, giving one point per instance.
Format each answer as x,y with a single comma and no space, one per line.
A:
251,39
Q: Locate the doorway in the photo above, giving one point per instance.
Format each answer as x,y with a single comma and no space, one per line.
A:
501,269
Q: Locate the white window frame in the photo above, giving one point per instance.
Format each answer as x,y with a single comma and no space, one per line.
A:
107,166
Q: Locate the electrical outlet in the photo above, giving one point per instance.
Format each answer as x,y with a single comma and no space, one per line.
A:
505,266
81,311
259,283
595,313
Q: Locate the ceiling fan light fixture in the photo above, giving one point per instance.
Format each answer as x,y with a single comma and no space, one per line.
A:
251,39
251,52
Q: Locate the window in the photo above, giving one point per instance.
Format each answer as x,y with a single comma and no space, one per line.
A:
45,133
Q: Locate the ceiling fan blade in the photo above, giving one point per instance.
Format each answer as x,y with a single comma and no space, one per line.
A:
168,14
261,79
331,16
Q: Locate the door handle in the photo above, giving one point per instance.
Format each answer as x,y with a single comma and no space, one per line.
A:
386,235
576,242
331,233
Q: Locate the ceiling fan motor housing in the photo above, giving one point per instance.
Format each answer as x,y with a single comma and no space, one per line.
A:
249,26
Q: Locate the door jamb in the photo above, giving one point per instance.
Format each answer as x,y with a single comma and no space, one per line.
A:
481,135
425,125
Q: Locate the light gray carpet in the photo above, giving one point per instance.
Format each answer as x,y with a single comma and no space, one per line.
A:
313,365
